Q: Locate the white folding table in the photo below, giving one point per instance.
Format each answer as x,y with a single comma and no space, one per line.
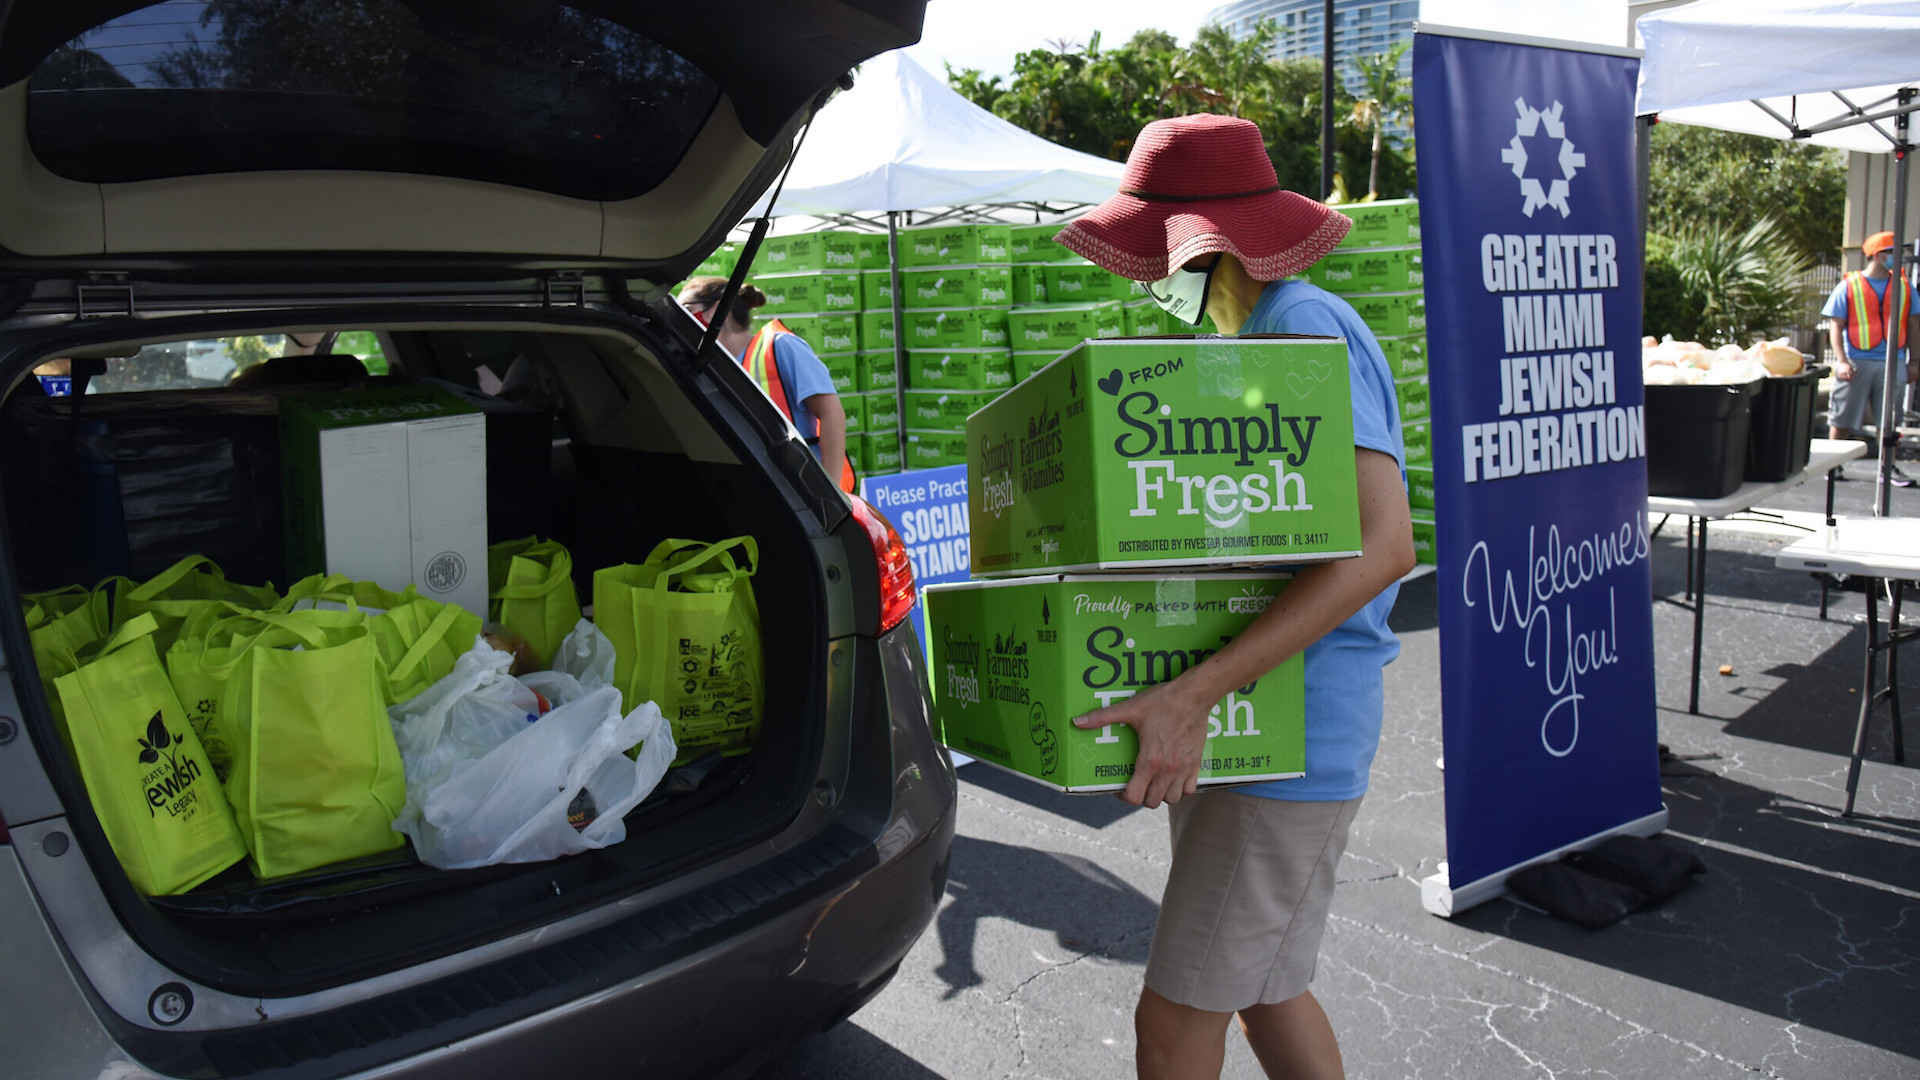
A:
1825,456
1886,551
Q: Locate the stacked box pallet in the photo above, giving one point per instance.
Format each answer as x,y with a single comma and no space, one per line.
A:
1378,269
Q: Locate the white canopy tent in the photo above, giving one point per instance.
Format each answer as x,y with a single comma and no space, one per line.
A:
1839,73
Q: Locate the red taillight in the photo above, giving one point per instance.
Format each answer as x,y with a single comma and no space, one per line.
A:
896,573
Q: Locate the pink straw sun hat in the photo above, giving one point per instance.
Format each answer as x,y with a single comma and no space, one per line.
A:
1199,184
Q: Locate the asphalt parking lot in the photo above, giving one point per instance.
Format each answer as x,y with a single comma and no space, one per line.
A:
1795,956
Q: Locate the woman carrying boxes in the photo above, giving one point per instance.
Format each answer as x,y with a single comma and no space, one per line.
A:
1201,217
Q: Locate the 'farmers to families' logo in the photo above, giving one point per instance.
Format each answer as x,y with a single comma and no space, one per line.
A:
1569,161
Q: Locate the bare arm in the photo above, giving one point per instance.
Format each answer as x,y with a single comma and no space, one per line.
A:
1171,719
1837,336
827,409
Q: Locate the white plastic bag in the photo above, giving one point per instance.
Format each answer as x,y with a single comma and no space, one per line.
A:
587,655
474,708
514,804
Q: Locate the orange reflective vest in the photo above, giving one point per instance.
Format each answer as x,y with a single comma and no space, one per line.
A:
765,370
1866,321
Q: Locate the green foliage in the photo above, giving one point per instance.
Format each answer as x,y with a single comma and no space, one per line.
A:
1096,100
1733,284
1700,175
248,351
1388,98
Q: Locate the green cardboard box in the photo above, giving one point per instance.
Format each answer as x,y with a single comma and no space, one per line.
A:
945,410
876,290
1370,270
1034,244
880,451
1388,223
1029,283
805,253
387,484
957,369
1392,314
809,293
1406,356
844,370
869,251
720,263
883,412
855,406
954,245
933,449
1425,549
876,371
1167,452
1059,327
1078,283
1143,318
1026,363
1418,440
956,287
1013,662
955,328
825,333
1420,487
1414,404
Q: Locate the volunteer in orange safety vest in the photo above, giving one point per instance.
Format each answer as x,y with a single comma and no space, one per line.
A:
793,378
1861,311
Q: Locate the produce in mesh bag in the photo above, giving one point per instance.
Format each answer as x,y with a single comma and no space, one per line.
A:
1668,362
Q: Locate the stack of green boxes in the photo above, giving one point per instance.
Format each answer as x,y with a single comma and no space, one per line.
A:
1062,299
957,286
1378,269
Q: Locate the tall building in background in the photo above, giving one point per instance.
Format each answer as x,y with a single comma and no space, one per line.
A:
1360,28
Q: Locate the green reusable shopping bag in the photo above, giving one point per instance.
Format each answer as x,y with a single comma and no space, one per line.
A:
199,664
342,590
60,625
145,773
316,772
182,592
418,639
530,592
686,636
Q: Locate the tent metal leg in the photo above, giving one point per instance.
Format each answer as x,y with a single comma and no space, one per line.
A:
1697,562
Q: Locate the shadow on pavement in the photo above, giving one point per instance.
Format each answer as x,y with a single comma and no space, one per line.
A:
1095,811
1800,916
846,1051
1086,908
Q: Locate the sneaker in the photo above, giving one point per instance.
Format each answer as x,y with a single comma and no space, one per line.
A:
1897,478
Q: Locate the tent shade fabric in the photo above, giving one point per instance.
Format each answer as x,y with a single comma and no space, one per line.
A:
901,139
1708,61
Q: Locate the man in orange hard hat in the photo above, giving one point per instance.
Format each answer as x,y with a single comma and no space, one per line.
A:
1863,310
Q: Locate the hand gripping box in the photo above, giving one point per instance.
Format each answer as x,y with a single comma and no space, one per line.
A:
388,485
1013,662
1167,452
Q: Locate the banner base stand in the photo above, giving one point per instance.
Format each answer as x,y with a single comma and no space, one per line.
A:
1439,898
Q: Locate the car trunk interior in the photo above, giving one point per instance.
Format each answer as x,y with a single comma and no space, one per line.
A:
590,441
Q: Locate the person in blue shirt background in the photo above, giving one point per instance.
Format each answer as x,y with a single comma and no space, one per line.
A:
805,392
1859,317
1201,219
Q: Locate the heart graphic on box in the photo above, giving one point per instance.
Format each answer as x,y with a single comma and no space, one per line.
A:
1111,383
1320,370
1232,385
1299,384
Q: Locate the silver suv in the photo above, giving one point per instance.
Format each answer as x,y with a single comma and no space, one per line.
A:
495,194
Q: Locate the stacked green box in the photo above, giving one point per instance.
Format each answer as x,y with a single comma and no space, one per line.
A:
798,253
1392,314
1414,403
1388,223
957,328
1029,283
951,287
955,245
880,452
1071,283
1056,328
825,333
1424,549
844,369
811,293
1144,318
1034,244
1406,356
855,406
883,412
1027,362
960,369
875,370
1420,488
1418,439
720,263
933,449
1370,270
944,410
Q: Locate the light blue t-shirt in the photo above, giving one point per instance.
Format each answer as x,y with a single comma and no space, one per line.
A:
802,375
1345,684
1837,309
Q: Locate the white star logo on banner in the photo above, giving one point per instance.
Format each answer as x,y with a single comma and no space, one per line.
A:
1571,161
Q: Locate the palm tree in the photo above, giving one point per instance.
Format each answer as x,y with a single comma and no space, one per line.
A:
1386,98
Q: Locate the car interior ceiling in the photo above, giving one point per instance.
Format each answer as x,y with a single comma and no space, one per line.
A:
134,479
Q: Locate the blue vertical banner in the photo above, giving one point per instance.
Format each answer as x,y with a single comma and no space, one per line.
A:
928,507
1531,242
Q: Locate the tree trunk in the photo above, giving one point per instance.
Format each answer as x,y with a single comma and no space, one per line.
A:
1373,171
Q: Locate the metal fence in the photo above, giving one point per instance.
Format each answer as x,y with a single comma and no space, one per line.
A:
1810,333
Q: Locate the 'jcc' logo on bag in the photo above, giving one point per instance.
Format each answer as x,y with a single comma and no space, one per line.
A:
167,786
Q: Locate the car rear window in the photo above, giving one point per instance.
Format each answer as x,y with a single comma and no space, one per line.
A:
537,95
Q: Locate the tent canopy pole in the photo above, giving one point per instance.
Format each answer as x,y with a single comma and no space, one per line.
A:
1894,380
899,334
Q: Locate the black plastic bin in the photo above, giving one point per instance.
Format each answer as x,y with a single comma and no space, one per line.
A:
1782,425
1697,439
